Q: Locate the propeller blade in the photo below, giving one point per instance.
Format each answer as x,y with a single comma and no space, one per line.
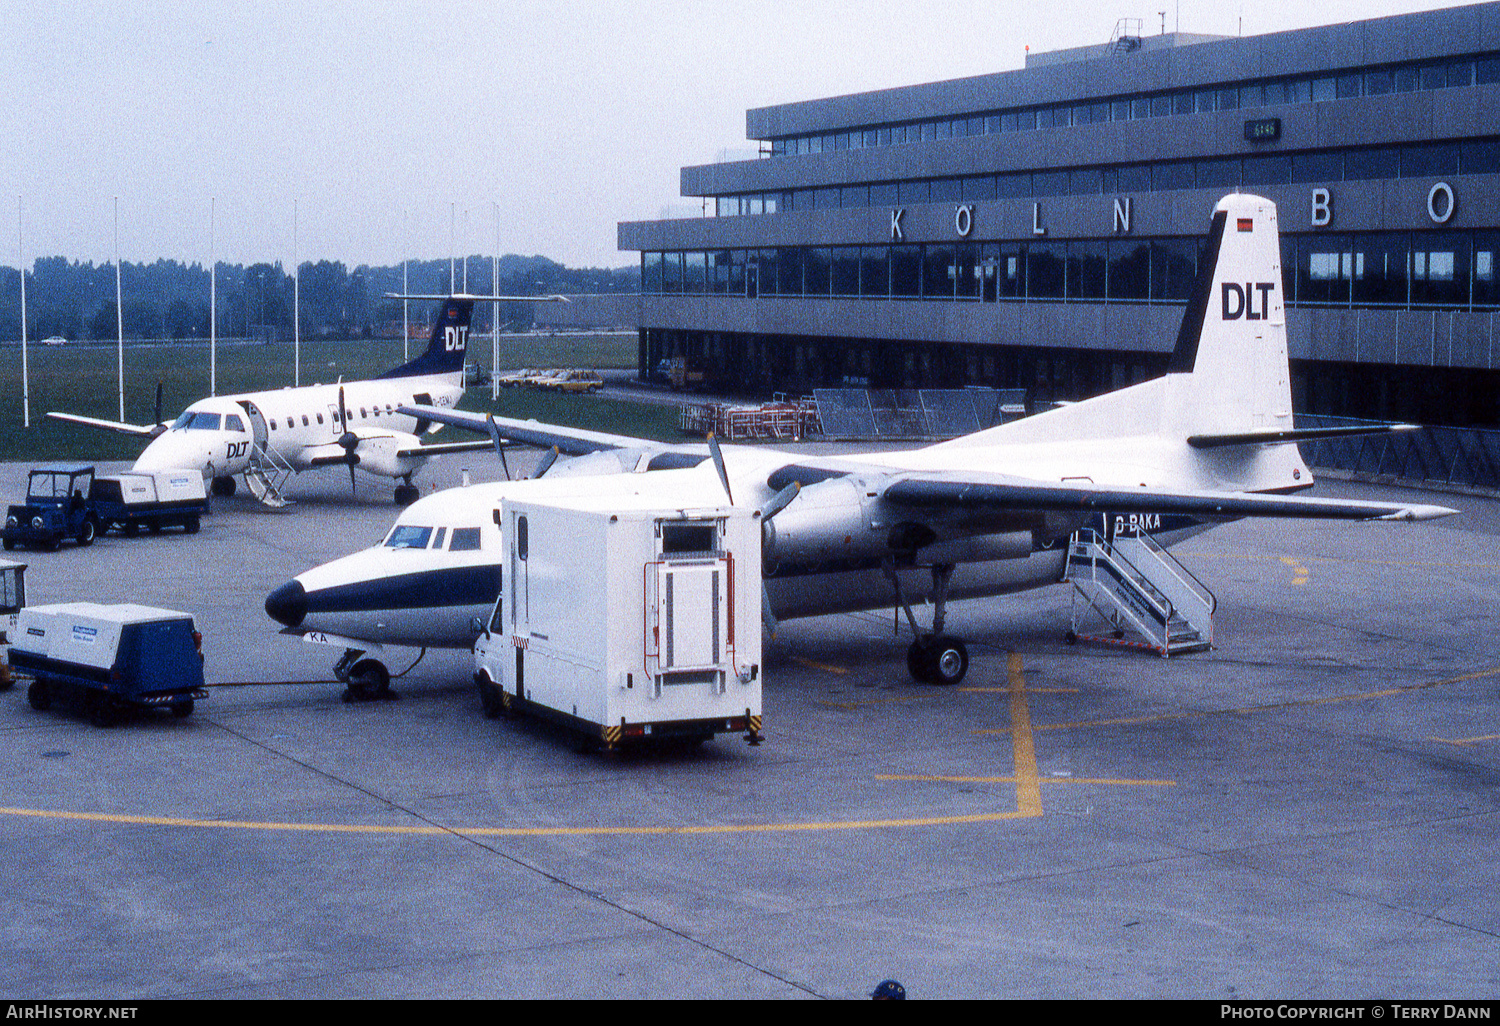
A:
158,404
548,458
780,501
353,490
718,455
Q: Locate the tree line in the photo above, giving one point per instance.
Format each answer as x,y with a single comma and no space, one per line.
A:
170,300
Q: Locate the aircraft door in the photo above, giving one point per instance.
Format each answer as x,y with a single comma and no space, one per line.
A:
258,430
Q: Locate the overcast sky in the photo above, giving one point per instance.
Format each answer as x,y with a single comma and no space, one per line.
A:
401,128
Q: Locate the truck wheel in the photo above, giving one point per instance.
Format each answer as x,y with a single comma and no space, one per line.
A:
154,526
132,529
52,544
100,709
489,697
87,533
182,709
190,525
10,543
39,696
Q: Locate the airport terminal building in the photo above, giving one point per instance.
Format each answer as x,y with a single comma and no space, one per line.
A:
1040,228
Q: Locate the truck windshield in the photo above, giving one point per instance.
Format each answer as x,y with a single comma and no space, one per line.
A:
405,536
49,486
197,422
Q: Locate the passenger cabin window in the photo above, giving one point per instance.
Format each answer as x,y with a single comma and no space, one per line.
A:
465,539
407,536
304,420
320,419
273,423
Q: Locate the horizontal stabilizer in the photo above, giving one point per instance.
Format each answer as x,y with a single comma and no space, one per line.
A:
143,430
1293,435
939,493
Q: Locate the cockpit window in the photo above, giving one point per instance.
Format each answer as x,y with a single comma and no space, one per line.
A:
437,542
465,539
190,421
407,536
233,423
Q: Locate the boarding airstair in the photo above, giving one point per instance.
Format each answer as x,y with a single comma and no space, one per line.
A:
266,475
1125,583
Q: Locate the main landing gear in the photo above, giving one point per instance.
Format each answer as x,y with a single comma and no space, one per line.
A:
407,493
934,657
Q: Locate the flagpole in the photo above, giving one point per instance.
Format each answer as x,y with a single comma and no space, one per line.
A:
119,312
213,307
25,375
296,305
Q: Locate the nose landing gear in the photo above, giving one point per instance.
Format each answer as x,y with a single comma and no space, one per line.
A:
364,680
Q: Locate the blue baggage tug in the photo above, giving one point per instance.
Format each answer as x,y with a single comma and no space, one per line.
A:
112,659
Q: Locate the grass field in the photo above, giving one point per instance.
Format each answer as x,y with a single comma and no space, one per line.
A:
84,380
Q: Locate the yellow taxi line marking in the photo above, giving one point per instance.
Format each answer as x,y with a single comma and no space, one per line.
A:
1301,572
1017,780
464,831
1028,787
850,706
1034,691
1466,740
1247,710
825,667
1339,559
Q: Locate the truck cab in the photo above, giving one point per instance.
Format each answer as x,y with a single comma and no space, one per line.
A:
56,507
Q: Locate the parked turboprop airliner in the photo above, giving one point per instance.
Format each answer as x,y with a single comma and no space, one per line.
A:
268,436
981,515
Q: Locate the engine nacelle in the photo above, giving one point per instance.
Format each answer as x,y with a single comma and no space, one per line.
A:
827,521
839,520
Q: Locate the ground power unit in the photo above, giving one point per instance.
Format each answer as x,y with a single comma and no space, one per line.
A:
627,624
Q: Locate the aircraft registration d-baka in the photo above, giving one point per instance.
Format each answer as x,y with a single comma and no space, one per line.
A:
276,433
981,515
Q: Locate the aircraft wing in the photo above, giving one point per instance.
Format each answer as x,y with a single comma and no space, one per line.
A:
568,441
442,448
948,493
143,430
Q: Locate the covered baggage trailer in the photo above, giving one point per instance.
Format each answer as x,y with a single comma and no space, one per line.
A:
153,499
111,658
627,624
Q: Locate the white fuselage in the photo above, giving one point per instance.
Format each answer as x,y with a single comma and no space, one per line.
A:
823,554
301,426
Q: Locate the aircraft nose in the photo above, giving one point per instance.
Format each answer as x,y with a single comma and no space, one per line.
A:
287,604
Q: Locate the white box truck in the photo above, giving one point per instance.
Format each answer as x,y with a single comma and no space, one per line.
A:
627,624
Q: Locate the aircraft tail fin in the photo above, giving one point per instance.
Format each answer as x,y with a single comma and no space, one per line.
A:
447,347
1228,374
1232,344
